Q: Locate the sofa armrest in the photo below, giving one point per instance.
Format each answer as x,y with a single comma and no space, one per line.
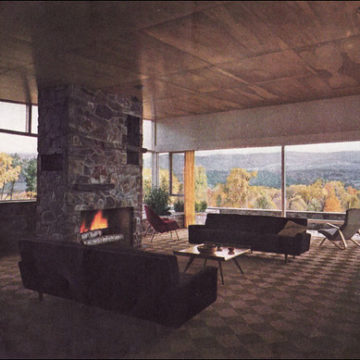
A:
192,294
295,245
195,234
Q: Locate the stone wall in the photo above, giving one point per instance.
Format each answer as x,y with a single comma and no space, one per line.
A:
83,159
17,222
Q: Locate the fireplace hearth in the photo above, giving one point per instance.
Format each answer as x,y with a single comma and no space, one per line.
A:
100,226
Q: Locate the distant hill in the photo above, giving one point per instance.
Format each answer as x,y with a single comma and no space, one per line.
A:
301,167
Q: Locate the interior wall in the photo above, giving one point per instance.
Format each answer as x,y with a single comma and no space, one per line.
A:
317,121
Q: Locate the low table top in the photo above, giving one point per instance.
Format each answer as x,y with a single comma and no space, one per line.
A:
219,255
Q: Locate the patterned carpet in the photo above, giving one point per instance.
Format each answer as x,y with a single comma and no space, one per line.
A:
308,308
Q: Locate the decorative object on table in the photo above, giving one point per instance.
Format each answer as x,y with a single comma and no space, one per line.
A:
219,256
231,250
206,248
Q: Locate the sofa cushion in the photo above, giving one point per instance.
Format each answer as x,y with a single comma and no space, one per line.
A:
122,279
248,223
291,228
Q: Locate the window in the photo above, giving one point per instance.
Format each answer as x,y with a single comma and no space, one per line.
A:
148,134
239,178
34,119
147,173
323,177
177,162
13,116
18,152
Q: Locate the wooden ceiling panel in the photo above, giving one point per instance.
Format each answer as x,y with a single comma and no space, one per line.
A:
156,89
14,52
202,36
243,24
337,62
20,86
182,58
247,96
299,89
146,55
303,23
268,67
205,80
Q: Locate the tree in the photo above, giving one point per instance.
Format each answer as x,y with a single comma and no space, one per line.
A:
146,181
201,184
8,172
237,187
30,173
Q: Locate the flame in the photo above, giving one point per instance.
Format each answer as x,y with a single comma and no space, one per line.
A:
99,222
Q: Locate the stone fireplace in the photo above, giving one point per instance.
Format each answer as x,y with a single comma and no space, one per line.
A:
89,160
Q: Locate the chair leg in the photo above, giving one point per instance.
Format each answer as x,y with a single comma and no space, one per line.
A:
177,235
322,241
147,230
153,237
355,242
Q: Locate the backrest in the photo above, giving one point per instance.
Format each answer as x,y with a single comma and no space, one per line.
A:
57,267
120,279
153,218
114,278
352,223
249,223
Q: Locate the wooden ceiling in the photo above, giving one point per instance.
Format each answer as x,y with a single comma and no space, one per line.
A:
183,58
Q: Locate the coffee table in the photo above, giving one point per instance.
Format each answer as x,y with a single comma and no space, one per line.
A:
218,255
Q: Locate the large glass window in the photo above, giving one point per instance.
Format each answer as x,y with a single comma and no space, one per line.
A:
148,134
18,164
18,153
34,119
323,177
147,173
239,178
177,162
12,116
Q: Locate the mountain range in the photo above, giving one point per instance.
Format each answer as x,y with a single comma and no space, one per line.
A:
301,167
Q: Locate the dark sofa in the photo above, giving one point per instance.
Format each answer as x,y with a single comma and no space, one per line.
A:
129,281
260,233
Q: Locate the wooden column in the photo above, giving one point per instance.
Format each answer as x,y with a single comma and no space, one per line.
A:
283,182
189,188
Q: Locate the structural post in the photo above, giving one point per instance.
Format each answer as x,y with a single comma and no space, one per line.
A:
283,182
189,188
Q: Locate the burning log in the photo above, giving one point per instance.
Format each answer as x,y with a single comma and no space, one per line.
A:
91,234
102,239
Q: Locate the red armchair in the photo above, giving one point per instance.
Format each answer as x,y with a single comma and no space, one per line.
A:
159,224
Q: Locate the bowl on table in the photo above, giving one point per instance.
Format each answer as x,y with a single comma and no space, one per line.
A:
207,248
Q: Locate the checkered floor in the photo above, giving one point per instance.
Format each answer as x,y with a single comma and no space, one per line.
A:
308,308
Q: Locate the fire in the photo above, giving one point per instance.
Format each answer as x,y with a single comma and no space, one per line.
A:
99,222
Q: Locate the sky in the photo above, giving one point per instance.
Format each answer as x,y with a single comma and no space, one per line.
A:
13,117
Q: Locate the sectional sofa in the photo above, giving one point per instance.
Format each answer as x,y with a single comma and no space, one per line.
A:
129,281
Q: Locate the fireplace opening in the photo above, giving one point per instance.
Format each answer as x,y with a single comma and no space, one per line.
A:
108,225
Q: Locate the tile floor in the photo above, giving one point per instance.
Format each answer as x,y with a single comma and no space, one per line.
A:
308,308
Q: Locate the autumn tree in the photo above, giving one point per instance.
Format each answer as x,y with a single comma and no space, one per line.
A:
237,187
30,174
8,172
201,184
